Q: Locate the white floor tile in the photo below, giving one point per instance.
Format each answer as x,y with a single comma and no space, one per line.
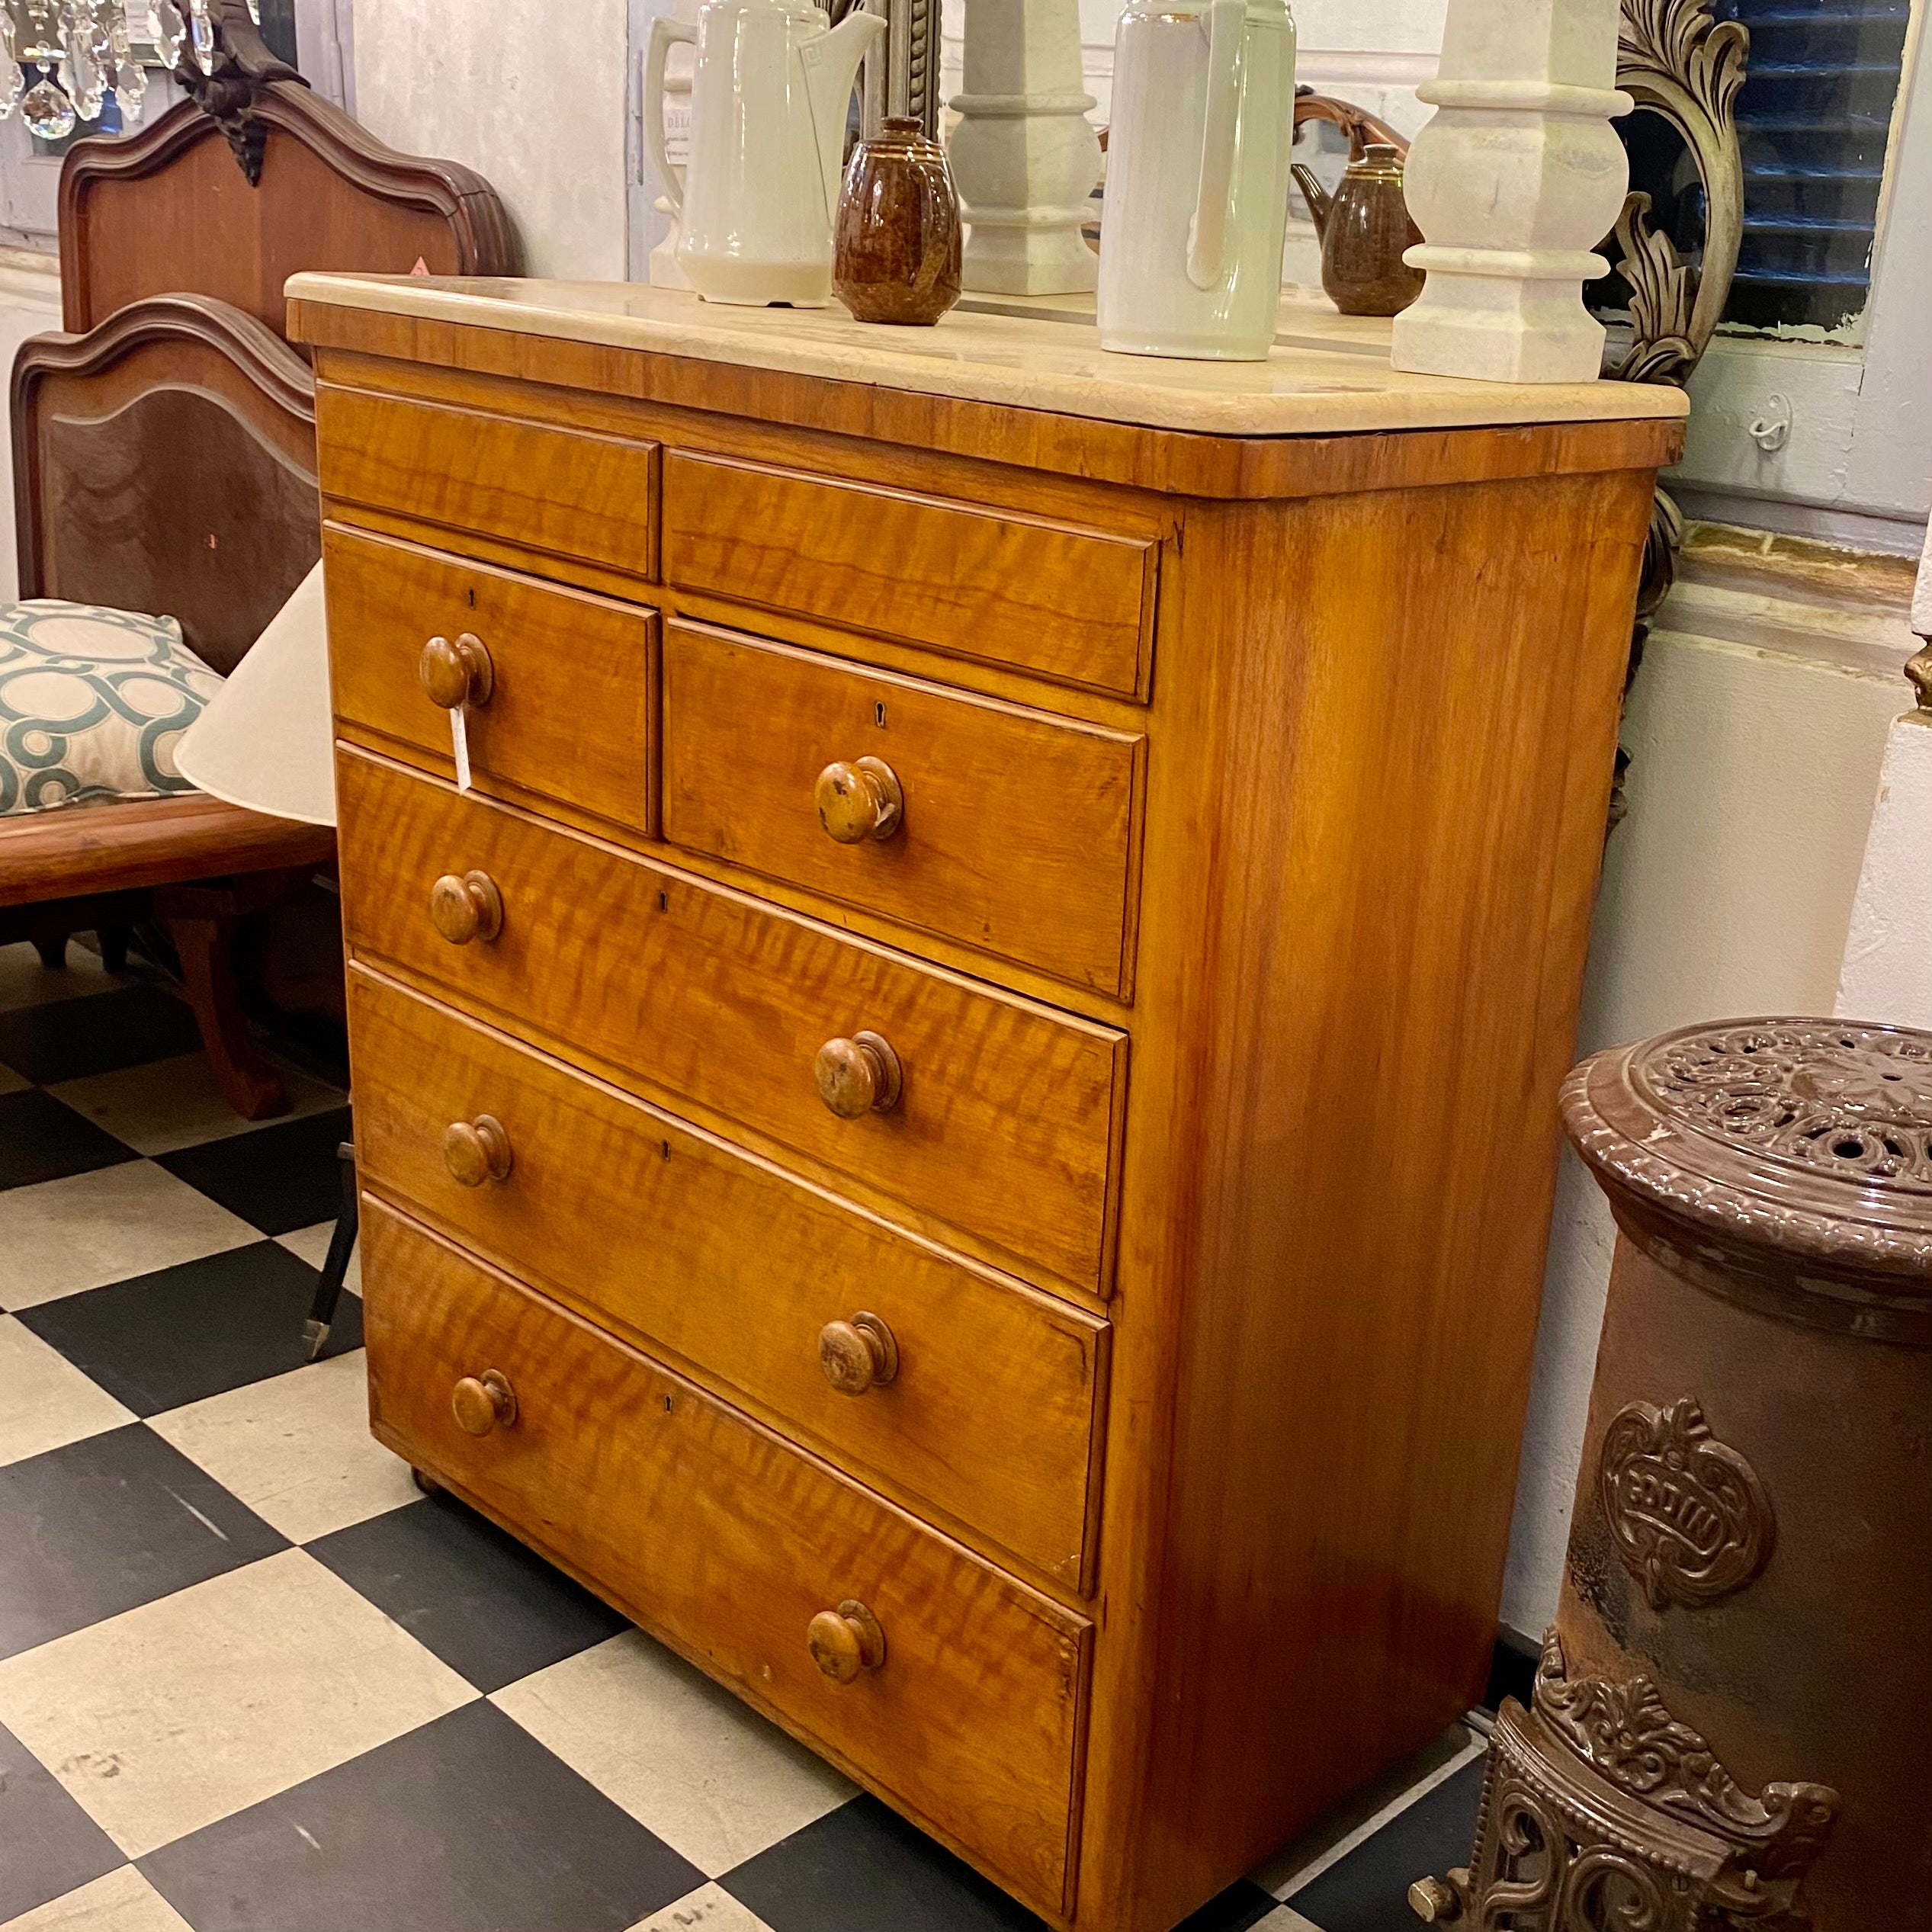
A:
45,1401
12,1083
1286,1918
311,1244
163,1105
25,982
296,1449
710,1909
168,1717
689,1762
122,1902
58,1237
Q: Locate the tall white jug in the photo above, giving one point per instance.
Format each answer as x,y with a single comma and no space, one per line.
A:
768,100
1197,178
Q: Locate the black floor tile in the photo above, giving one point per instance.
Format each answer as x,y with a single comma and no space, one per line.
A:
277,1178
466,1825
1368,1890
117,1519
1244,1904
864,1869
157,1341
67,1039
1512,1671
491,1610
50,1845
40,1140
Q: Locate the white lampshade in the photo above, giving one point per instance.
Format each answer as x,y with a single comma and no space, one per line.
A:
266,740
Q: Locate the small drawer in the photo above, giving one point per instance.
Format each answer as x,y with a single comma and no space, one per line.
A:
559,689
1002,828
957,1691
1073,604
967,1393
565,492
987,1112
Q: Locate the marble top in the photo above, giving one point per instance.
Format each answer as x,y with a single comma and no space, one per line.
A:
1327,374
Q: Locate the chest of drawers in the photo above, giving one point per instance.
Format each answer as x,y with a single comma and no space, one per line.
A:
961,1117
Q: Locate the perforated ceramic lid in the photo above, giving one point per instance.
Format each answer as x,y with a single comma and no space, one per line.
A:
1811,1138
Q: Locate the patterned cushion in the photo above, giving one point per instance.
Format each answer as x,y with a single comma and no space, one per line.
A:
92,702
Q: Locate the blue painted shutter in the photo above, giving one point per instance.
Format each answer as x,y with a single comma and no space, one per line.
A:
1813,119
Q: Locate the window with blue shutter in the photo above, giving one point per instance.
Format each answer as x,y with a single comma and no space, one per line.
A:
1813,118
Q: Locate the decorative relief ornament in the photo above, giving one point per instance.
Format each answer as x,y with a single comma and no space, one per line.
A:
1676,58
1603,1812
1853,1102
1690,1518
1627,1733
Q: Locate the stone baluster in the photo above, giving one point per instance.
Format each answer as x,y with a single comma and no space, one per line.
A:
1514,183
1024,157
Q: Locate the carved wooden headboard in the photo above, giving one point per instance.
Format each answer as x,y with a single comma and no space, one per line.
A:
164,451
172,210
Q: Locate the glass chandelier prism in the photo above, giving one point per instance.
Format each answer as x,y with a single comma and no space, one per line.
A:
85,50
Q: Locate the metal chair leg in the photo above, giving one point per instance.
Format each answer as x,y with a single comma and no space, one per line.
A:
335,1267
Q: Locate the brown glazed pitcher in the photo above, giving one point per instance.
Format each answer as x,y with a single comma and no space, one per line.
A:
896,249
1364,227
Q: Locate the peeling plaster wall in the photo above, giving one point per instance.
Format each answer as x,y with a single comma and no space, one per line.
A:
530,93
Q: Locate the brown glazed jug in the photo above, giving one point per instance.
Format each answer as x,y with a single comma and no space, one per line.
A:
896,246
1364,227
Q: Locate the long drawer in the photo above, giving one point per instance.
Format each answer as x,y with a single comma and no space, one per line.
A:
1002,828
971,1396
960,1690
559,689
1072,603
1006,1114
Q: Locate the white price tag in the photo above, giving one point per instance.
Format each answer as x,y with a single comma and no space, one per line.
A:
460,739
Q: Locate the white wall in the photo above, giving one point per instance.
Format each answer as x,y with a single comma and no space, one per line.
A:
530,93
29,305
1726,893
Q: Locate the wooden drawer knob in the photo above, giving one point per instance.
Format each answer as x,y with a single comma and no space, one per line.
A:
482,1402
476,1150
857,1354
467,908
454,675
847,1640
858,1077
861,800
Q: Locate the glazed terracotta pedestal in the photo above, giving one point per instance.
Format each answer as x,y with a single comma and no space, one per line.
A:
1729,1727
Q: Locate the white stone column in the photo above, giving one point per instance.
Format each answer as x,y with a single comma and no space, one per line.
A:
1024,157
1514,183
1887,973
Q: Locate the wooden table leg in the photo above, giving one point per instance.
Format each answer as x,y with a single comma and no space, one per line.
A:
206,945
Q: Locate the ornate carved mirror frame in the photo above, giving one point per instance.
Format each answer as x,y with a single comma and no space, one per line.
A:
1676,60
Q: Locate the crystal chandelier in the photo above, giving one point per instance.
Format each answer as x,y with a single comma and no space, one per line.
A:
86,49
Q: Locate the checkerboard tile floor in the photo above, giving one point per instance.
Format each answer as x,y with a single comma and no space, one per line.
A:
250,1680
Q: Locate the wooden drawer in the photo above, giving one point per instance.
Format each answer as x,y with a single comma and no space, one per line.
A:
1008,1114
564,491
1019,831
1070,604
992,1416
572,678
711,1532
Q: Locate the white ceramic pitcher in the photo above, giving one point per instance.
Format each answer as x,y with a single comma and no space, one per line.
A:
1191,255
769,103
